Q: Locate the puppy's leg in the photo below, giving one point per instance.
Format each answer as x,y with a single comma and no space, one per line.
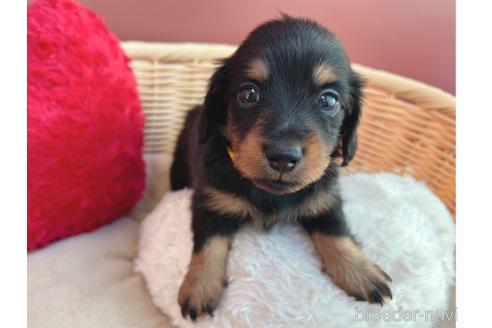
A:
343,260
204,283
202,286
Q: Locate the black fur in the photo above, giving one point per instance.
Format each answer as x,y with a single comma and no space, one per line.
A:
201,157
288,109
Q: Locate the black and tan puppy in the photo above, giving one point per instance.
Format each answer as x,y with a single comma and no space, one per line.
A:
261,149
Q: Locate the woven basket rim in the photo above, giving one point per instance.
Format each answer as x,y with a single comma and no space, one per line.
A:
401,87
419,118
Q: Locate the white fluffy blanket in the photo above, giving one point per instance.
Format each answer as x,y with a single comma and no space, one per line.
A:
275,277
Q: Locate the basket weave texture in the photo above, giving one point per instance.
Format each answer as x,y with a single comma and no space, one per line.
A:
407,127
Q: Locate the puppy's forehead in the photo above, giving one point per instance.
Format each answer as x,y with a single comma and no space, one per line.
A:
295,52
318,65
312,68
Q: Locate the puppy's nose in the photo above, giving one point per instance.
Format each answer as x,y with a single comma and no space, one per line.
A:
283,159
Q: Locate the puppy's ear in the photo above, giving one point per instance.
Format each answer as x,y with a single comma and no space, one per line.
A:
214,110
351,120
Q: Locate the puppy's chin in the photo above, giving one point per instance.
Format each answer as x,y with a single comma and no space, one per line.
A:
266,181
276,187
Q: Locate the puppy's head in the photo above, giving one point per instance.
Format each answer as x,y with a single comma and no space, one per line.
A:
287,100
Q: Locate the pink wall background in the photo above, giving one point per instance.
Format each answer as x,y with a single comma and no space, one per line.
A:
415,38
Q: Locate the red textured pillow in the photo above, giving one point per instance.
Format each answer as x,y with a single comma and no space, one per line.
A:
84,124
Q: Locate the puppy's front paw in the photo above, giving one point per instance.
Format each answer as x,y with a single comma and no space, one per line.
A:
366,282
350,269
200,293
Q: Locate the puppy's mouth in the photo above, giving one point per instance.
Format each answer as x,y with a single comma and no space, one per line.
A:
277,187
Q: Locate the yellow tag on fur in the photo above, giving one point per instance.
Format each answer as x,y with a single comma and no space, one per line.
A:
230,152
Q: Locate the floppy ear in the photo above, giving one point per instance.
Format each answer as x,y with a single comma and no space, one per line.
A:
351,120
214,110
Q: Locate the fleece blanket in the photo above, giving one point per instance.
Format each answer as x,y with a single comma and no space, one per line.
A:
275,277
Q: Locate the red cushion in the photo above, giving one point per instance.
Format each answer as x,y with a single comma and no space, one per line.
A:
84,124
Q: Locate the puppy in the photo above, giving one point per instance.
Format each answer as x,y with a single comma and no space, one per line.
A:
261,149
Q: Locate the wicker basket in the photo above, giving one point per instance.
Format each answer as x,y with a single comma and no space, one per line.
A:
407,127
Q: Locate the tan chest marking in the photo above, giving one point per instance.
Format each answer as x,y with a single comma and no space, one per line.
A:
229,204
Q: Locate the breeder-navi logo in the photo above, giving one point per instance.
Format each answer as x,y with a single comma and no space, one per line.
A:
404,315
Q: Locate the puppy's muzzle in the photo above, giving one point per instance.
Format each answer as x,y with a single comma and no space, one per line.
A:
283,158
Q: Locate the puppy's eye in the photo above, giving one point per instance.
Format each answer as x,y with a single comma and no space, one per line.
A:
328,100
247,95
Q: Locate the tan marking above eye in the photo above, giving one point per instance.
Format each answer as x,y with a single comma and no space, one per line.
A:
257,70
323,74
